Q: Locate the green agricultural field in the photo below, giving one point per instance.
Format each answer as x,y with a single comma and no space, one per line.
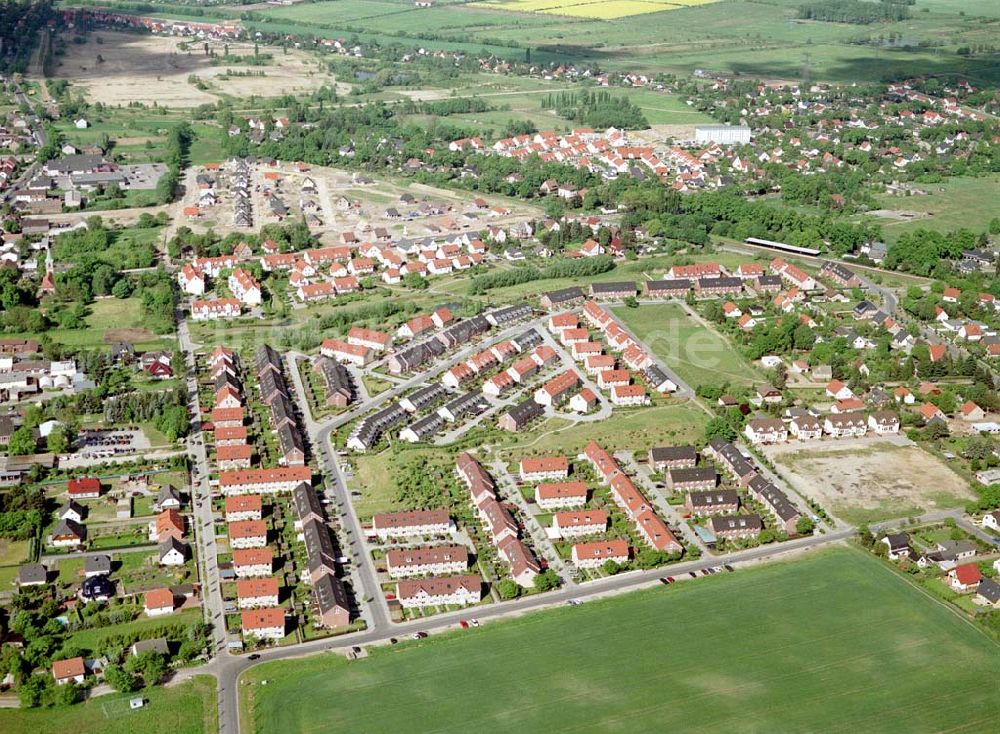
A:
750,37
698,355
664,109
186,708
947,206
797,646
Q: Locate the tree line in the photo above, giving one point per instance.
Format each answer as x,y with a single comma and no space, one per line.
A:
597,109
854,11
563,269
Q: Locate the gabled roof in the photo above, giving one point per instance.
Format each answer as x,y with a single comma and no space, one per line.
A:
967,573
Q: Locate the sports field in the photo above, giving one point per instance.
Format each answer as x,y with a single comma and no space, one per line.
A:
186,708
834,642
699,356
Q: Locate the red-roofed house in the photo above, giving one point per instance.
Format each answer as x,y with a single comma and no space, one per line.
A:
937,352
551,467
965,579
159,602
71,670
596,554
84,488
257,592
930,411
971,412
266,624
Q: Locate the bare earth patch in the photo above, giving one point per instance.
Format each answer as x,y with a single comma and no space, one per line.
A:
147,69
113,336
868,480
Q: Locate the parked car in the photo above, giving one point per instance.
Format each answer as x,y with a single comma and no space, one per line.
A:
463,624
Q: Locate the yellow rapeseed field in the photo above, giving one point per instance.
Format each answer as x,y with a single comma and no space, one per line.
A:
596,9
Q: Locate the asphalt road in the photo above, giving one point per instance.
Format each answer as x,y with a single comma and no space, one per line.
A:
228,668
364,578
201,497
39,133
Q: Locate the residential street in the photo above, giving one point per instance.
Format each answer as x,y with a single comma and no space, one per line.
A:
228,667
201,498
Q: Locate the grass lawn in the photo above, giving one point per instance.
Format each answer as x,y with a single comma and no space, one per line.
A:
639,430
92,639
8,577
374,385
156,437
187,708
699,356
374,479
808,651
13,552
105,315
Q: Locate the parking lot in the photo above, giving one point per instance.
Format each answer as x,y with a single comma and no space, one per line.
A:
107,443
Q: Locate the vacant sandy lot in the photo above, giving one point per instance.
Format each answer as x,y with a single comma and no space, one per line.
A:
866,480
342,205
147,69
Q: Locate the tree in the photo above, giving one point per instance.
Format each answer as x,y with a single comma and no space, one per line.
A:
66,694
936,430
122,289
30,692
649,558
631,302
719,428
120,680
610,567
11,662
804,526
979,447
58,440
546,580
508,589
22,442
151,665
415,281
174,422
